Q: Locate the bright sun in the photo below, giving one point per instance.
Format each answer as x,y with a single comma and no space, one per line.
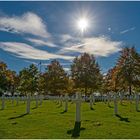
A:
82,24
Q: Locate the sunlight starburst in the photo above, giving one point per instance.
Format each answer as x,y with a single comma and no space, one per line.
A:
82,24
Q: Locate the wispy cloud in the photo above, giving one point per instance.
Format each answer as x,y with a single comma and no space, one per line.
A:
65,37
26,51
98,46
28,23
127,30
41,42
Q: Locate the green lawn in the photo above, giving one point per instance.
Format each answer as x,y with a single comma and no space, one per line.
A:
49,121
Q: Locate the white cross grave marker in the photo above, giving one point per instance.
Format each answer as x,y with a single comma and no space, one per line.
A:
77,125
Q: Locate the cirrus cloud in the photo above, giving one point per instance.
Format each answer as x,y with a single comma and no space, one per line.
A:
98,46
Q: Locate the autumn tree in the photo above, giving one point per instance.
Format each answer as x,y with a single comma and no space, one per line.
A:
111,81
128,66
86,74
8,79
56,77
3,78
12,81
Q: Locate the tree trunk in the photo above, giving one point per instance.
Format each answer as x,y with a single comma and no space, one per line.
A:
130,93
12,93
130,90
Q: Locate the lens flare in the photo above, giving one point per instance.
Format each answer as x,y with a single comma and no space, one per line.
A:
83,24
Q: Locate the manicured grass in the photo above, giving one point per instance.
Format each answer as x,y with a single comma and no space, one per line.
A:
49,121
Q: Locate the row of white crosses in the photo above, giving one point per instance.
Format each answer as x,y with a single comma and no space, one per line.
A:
3,98
130,98
77,100
27,99
37,99
66,99
115,98
61,99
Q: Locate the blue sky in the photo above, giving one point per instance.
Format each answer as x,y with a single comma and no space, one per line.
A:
34,31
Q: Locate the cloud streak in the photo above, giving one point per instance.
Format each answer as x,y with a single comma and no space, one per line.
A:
41,42
26,51
28,23
127,30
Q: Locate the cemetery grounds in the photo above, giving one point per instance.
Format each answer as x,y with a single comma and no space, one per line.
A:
49,120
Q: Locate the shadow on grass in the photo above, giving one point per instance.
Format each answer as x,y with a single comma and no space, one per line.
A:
91,108
14,123
86,120
75,133
34,107
63,112
122,118
110,106
59,106
20,116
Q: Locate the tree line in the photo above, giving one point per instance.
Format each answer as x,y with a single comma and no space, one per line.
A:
85,76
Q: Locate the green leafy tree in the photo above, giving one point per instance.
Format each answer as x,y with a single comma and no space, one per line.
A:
29,80
43,83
